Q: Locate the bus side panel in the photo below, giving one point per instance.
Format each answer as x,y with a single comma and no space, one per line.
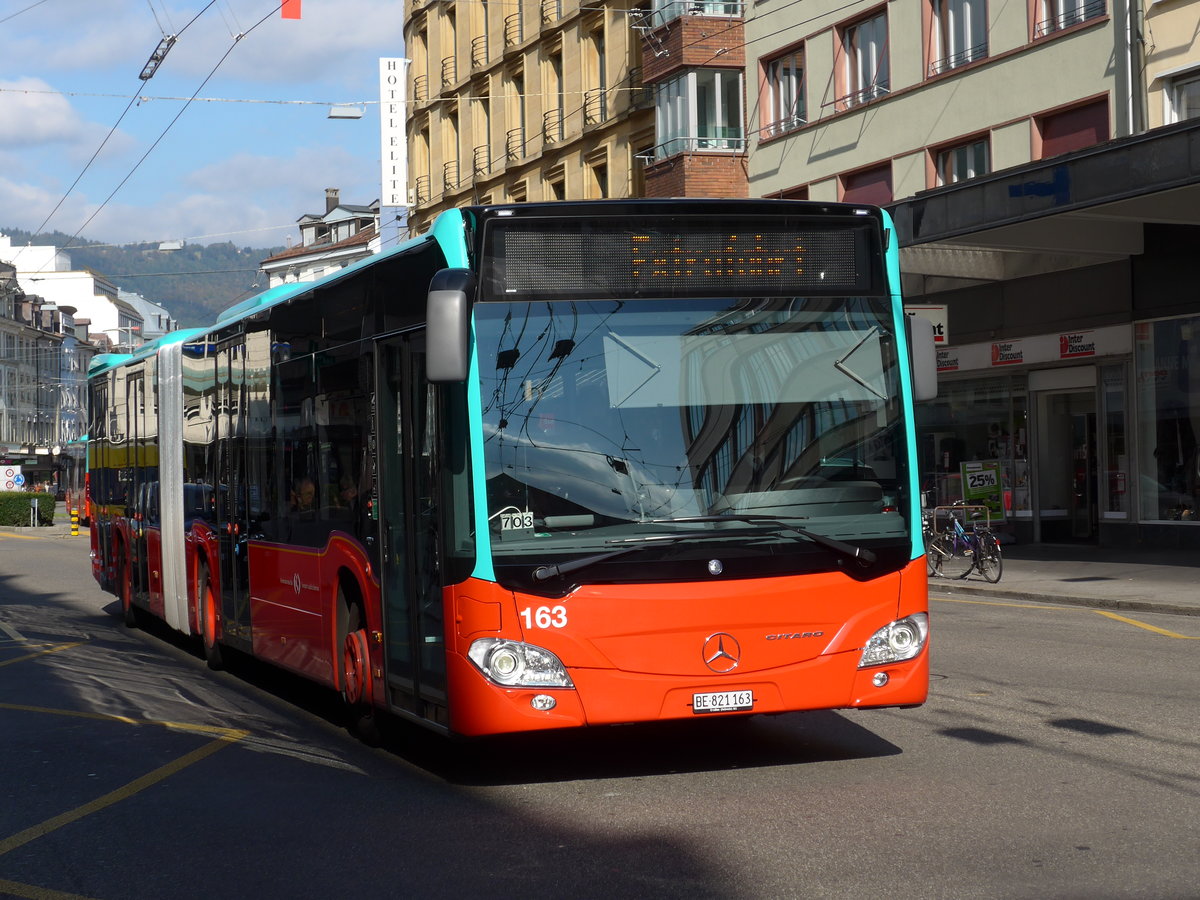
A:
293,597
154,564
287,608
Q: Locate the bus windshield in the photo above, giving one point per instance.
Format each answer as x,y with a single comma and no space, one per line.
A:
689,423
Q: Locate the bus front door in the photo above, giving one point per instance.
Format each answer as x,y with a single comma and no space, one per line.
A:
406,428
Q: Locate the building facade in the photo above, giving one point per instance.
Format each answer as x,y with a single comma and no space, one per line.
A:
328,241
1038,159
43,366
530,100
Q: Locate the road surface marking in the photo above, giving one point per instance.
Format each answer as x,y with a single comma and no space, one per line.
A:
35,893
233,733
11,632
136,786
1154,628
55,649
1111,615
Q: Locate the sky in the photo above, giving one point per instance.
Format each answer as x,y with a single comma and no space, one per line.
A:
241,171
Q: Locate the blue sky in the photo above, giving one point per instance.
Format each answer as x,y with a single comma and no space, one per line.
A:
237,171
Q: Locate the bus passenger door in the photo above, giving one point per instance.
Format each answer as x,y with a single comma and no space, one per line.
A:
231,495
135,486
406,424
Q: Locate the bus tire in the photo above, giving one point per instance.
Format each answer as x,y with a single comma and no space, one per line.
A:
208,623
129,613
354,669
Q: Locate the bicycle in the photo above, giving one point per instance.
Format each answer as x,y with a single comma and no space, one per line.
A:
957,552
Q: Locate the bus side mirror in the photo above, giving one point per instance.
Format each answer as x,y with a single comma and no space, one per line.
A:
448,326
922,357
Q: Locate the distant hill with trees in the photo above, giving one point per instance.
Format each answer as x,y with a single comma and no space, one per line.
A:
193,284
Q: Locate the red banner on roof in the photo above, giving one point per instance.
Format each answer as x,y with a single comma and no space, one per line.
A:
290,9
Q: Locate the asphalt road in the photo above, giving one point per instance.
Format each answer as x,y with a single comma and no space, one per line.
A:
1058,757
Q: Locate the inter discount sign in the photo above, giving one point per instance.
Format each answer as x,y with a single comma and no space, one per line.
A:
11,478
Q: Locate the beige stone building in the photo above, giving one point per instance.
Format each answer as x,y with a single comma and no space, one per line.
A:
516,100
1171,37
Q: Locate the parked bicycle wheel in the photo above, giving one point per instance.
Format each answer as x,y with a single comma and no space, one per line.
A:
950,557
990,562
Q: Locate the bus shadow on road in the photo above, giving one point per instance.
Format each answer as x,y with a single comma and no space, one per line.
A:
615,751
640,750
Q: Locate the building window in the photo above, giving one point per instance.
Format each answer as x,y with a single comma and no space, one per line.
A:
864,61
1073,129
784,104
700,110
1059,14
1183,98
871,186
965,161
959,33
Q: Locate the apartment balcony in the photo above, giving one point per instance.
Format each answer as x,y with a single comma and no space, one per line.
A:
420,88
421,193
479,51
552,126
551,11
662,13
481,161
514,144
595,107
782,126
641,95
725,140
956,60
1077,16
450,175
449,71
514,31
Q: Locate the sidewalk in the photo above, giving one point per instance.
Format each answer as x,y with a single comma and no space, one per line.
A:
1166,581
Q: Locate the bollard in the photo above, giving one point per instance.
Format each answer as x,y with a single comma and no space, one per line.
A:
74,523
33,513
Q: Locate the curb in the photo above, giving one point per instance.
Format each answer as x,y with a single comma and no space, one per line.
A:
1170,609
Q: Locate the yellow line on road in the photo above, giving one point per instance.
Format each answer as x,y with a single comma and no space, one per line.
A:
1000,603
233,733
1039,606
1154,628
55,649
35,893
123,793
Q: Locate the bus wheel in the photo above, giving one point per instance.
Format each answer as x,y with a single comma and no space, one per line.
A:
208,623
356,672
128,611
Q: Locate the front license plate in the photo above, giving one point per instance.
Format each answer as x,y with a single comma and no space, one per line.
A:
722,701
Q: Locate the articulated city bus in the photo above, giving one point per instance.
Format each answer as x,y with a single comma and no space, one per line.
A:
545,466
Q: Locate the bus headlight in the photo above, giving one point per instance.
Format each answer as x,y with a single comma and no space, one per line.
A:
901,640
514,664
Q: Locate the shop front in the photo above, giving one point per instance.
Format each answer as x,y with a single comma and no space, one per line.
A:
1034,429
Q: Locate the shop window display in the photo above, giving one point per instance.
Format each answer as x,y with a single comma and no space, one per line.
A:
979,420
1167,354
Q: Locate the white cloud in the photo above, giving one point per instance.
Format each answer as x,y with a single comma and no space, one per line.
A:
252,200
32,113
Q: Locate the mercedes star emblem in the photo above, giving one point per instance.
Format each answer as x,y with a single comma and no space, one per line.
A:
722,652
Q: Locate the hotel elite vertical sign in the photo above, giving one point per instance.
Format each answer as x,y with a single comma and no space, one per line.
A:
393,151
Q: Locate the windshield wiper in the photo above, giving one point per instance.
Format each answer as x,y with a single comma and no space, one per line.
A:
864,556
543,573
